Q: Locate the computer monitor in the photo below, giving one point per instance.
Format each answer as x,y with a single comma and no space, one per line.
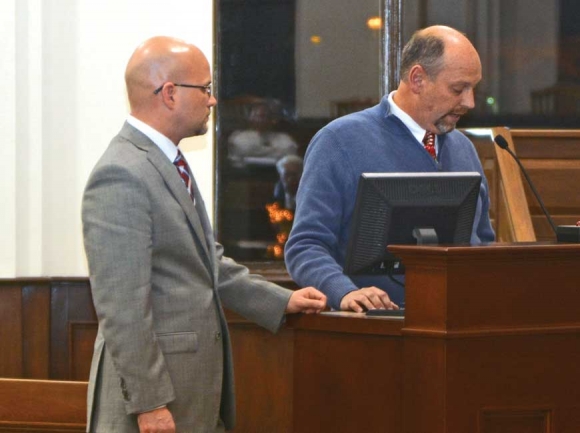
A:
408,208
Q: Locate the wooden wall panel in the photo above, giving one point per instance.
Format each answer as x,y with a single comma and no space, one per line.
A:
36,316
81,339
497,380
71,302
11,356
424,391
354,375
36,330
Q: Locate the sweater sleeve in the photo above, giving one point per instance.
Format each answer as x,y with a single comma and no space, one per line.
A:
467,155
314,251
483,230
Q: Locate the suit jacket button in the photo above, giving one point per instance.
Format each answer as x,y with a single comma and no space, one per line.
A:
218,335
124,391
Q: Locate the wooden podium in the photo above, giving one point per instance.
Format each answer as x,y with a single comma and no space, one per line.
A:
490,344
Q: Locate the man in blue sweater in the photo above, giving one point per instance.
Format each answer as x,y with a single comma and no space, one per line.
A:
439,71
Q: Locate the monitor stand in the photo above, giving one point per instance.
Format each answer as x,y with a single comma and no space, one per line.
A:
425,236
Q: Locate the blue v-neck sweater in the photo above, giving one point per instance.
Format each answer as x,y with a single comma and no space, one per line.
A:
372,140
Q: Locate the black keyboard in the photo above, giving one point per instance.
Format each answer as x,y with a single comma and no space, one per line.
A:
386,313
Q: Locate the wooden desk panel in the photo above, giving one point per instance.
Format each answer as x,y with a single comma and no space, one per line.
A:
326,373
264,373
347,382
500,288
490,344
504,332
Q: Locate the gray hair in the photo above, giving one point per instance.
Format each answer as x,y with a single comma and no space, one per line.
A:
423,49
281,163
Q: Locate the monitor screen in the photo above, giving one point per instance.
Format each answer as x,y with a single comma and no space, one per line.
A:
408,208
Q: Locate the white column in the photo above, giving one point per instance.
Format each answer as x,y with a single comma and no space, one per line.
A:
8,134
29,170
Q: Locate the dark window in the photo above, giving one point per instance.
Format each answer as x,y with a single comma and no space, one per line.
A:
285,68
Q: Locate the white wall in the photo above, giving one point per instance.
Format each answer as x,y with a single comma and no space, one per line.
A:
346,64
63,99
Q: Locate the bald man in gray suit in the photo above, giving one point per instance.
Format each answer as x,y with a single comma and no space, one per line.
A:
162,360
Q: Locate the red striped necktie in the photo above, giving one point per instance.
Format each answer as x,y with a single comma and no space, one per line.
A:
184,172
429,143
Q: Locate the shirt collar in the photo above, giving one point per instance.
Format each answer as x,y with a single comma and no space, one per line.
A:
416,130
165,144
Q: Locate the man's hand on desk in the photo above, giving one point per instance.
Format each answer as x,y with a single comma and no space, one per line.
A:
307,300
367,298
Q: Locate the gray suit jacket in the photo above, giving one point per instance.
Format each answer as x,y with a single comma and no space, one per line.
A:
158,281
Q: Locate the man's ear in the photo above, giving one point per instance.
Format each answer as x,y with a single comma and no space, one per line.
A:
417,78
167,94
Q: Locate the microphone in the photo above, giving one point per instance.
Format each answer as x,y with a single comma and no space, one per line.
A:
563,233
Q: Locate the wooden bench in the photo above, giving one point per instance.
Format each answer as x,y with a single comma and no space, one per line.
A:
46,406
552,159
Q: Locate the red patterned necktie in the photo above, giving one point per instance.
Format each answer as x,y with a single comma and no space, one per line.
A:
184,172
429,143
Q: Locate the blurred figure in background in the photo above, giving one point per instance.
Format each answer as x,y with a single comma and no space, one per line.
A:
261,143
290,170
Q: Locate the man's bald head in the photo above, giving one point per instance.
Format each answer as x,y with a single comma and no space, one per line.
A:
156,61
167,85
427,47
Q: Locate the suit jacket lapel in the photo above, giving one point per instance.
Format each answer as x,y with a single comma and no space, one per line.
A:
175,185
204,220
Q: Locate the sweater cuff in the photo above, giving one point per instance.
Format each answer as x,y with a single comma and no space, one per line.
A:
335,288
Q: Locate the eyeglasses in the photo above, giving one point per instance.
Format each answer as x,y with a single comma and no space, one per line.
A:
207,88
